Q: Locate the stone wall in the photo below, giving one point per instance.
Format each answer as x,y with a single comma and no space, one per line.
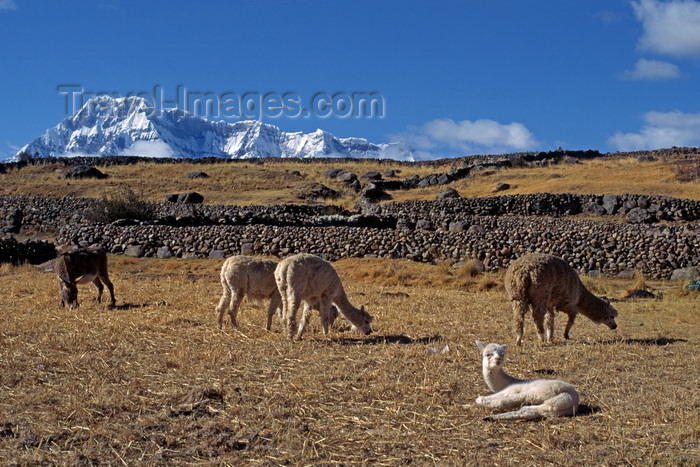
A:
606,247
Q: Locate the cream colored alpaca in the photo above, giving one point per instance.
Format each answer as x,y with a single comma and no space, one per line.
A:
308,278
544,397
243,276
545,283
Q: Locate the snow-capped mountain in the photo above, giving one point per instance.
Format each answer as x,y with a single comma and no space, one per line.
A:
127,126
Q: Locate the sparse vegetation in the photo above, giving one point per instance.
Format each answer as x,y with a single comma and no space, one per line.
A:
122,204
154,382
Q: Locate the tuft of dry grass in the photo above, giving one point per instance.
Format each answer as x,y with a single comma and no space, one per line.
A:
154,382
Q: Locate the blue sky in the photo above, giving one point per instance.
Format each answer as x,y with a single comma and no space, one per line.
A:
455,77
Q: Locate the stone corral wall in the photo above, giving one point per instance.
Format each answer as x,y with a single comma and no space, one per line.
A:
50,213
634,208
588,245
495,230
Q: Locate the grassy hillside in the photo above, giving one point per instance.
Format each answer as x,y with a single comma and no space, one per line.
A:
243,183
155,382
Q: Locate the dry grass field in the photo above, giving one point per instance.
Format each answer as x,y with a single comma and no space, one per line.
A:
245,183
154,382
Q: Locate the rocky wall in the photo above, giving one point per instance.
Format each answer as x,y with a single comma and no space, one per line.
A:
590,246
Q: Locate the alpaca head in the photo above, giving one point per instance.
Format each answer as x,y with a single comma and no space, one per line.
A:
610,315
363,324
492,355
69,294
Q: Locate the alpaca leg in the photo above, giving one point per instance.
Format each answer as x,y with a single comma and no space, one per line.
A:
290,315
500,401
519,310
103,274
561,405
549,325
570,323
223,304
524,413
304,319
274,305
100,288
236,299
538,312
327,320
326,310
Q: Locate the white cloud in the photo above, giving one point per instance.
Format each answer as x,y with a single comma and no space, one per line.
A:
669,27
661,130
468,137
652,70
8,5
149,149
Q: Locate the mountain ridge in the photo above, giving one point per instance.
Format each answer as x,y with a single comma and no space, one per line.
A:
124,126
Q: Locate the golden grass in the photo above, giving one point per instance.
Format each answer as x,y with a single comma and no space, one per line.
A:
154,382
245,183
598,176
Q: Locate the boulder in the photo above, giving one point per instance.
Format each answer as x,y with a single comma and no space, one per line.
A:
450,193
197,175
135,250
190,198
639,216
83,171
689,273
164,252
611,203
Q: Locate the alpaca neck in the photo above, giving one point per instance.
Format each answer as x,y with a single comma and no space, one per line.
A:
591,306
344,305
497,379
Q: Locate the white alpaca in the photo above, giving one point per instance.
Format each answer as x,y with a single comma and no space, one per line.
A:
308,278
243,276
545,283
544,397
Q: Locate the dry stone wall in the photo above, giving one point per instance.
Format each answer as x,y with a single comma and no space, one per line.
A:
608,248
495,230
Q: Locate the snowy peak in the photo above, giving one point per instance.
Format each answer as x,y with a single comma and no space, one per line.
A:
128,126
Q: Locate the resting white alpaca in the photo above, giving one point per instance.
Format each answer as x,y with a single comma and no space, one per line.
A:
243,276
308,278
545,283
545,397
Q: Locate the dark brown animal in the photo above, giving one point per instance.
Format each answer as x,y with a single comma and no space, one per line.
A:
80,267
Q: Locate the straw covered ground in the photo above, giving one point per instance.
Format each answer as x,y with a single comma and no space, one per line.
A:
154,382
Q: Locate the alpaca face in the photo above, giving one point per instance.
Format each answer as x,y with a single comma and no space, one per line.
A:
364,327
609,321
493,355
69,294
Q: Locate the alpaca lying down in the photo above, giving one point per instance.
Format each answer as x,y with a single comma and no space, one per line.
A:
533,399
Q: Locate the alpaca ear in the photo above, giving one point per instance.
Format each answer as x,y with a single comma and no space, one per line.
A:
479,344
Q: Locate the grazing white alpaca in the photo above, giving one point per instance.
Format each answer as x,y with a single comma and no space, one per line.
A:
308,278
544,397
545,283
243,276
